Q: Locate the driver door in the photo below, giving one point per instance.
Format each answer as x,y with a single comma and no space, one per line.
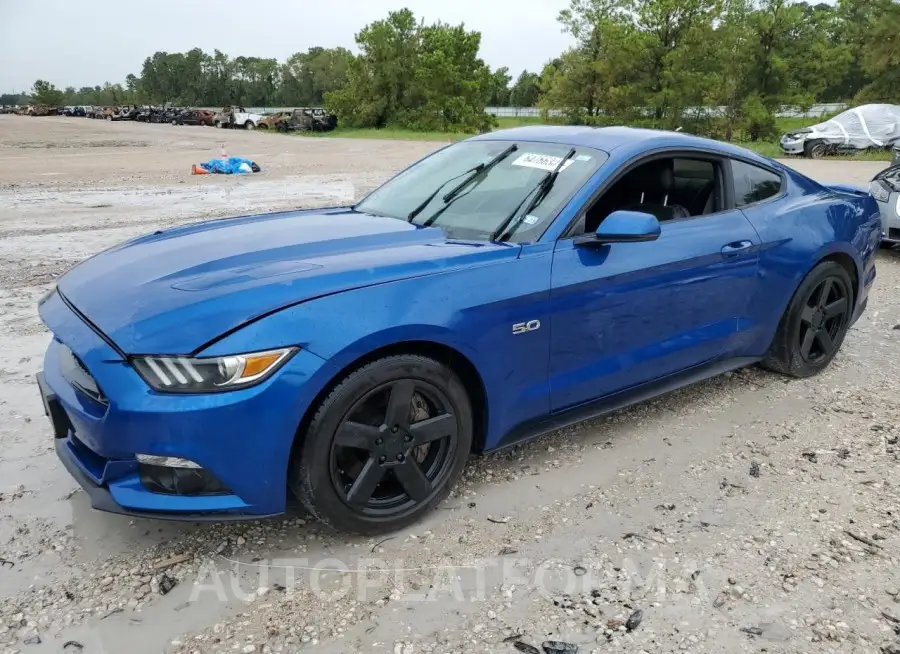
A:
625,314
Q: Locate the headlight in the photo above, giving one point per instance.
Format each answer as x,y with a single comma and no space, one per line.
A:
210,375
879,192
890,178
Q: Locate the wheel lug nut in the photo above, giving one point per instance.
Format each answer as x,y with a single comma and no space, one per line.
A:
400,457
407,438
395,429
379,441
382,459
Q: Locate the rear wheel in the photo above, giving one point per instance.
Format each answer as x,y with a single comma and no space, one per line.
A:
385,446
815,323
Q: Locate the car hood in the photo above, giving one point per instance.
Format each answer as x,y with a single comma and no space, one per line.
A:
174,291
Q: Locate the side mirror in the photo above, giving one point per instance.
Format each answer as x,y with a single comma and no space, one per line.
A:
623,227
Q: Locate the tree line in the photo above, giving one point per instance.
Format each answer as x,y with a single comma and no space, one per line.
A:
651,62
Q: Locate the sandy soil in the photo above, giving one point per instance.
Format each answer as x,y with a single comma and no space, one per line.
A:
654,509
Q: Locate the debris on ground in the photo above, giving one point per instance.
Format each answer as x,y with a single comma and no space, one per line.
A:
226,166
634,620
166,584
559,647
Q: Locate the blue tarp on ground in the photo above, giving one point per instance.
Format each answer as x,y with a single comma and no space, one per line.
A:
230,166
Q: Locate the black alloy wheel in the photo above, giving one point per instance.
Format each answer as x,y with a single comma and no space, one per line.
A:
385,446
393,448
815,323
823,319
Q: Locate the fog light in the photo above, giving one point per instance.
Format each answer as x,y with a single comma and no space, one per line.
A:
168,480
166,461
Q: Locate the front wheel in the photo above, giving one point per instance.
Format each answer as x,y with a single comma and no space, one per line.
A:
385,446
249,125
815,150
814,325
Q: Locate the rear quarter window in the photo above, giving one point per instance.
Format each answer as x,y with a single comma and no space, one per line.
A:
753,184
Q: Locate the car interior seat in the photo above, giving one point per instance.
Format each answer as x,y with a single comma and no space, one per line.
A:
653,183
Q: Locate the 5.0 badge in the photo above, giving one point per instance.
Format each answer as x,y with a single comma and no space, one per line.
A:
523,327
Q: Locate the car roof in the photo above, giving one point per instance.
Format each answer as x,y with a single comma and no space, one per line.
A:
631,139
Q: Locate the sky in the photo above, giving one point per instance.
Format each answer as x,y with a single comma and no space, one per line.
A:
86,42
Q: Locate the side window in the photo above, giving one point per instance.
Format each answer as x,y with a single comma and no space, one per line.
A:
752,183
670,188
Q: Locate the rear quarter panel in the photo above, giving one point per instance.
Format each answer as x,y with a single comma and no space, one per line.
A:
809,223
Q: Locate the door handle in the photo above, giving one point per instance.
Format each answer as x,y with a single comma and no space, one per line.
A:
735,248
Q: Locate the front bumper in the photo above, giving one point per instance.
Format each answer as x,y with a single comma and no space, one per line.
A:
890,218
789,146
242,438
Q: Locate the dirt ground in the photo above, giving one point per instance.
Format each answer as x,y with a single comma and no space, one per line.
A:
750,513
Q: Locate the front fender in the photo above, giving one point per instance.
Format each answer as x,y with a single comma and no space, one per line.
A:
471,311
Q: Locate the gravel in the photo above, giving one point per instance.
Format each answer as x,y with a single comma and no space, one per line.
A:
747,513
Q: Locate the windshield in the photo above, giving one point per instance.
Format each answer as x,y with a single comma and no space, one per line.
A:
472,188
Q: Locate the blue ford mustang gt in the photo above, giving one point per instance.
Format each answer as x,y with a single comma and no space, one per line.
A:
499,288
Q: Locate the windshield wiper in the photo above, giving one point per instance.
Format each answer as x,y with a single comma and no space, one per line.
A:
543,189
479,170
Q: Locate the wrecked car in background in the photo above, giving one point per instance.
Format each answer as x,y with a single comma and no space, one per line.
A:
237,117
304,119
274,121
40,110
867,127
194,117
885,188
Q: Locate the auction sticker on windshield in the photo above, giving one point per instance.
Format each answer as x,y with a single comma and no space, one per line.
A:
546,162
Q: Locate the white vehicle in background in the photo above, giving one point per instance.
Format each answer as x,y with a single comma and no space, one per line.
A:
236,117
885,188
867,127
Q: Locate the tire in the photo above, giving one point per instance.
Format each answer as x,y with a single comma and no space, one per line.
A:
249,126
808,338
174,122
815,149
109,118
325,471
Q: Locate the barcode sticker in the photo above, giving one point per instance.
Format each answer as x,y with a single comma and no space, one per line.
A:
546,162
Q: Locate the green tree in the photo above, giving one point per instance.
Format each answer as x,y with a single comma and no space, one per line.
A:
595,80
526,90
416,76
44,92
881,55
308,76
498,88
379,79
13,99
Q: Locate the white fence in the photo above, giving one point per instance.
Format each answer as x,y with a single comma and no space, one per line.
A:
815,111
